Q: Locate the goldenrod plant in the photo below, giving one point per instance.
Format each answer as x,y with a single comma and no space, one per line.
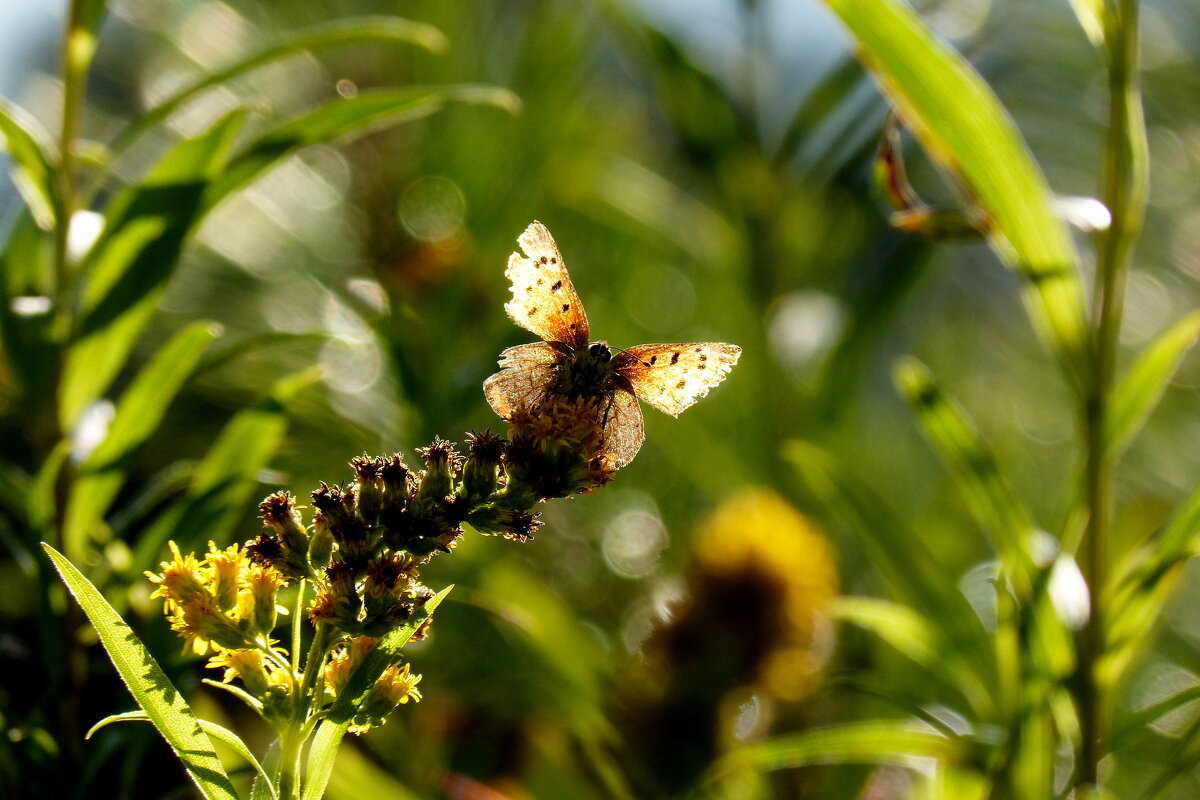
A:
355,568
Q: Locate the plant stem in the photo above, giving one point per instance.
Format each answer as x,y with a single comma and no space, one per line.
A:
1124,192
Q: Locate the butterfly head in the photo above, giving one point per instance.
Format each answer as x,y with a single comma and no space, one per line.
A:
599,352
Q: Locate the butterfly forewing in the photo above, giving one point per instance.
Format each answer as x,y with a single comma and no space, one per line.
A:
672,377
543,298
527,372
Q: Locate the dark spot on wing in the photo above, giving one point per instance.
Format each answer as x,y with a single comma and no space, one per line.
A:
681,384
697,349
572,326
540,281
531,311
675,358
653,359
556,286
702,365
554,261
704,358
543,260
566,306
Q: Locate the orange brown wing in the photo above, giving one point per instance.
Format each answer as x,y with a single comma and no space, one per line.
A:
527,372
671,377
623,429
543,298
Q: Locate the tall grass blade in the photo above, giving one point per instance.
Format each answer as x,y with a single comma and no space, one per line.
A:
138,415
1136,396
127,268
988,495
329,34
33,154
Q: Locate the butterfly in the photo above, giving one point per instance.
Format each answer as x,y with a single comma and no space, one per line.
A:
670,377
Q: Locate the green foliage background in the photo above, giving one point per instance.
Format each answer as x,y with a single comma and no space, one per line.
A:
706,172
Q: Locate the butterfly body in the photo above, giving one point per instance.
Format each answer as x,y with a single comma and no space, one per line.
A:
670,377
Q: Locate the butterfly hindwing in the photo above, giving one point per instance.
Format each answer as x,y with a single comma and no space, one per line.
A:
671,377
623,428
527,372
544,300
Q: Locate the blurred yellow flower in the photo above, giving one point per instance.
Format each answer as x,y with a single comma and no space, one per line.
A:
757,537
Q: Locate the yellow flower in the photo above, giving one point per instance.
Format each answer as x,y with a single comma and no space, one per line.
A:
756,538
181,579
225,567
259,586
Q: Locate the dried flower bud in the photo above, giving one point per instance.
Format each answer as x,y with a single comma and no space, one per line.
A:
369,486
481,471
441,463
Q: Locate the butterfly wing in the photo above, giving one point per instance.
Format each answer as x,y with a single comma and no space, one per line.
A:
527,372
623,431
543,298
671,377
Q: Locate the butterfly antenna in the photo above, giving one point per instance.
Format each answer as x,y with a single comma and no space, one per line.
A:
626,352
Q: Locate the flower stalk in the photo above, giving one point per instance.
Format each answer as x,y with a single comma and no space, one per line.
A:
1124,192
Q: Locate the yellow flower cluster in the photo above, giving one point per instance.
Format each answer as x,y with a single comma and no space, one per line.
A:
396,686
224,602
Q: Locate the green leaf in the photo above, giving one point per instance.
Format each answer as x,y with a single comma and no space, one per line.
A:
32,152
1091,15
357,115
218,732
330,34
897,742
962,125
323,751
264,788
918,638
224,481
988,495
1144,584
138,414
127,269
1142,387
1145,716
150,687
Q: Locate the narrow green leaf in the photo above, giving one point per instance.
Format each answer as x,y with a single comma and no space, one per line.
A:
127,269
896,742
329,34
988,495
1091,15
1145,582
323,751
138,415
962,125
1142,387
918,638
32,151
218,732
1145,716
149,685
358,115
1033,755
224,481
264,787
